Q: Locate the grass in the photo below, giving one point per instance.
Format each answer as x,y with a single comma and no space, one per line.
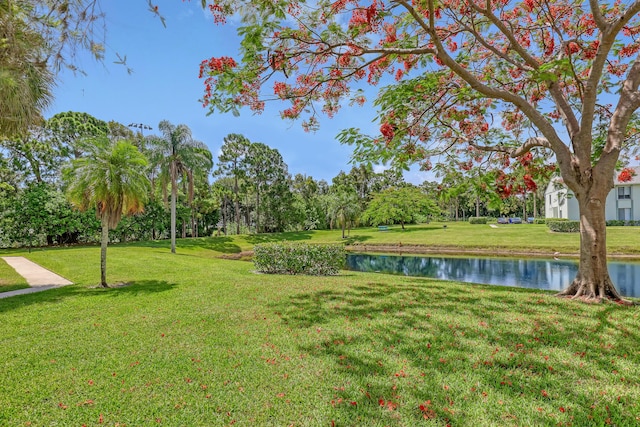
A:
9,279
200,341
460,236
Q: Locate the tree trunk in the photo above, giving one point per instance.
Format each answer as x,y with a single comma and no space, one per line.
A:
104,240
237,205
535,207
257,209
477,206
224,214
524,206
592,282
174,196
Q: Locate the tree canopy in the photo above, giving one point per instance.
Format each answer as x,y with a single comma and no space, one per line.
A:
402,205
545,74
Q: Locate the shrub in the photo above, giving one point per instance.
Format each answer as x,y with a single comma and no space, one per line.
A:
540,221
619,223
477,220
299,258
563,225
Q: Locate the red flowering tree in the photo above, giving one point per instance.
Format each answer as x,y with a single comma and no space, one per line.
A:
546,72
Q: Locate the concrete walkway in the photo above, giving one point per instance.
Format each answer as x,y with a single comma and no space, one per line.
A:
39,278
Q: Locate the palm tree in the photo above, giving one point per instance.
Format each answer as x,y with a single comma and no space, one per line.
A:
112,178
343,209
178,155
26,83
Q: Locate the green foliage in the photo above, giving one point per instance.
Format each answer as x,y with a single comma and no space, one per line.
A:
398,205
111,179
540,221
477,220
622,223
563,226
299,258
26,83
40,214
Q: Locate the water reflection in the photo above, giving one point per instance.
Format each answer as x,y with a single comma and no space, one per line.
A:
530,273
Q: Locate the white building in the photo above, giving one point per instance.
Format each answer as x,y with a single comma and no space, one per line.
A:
623,201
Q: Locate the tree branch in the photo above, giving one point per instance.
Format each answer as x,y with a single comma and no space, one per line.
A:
597,15
525,107
514,152
607,39
628,103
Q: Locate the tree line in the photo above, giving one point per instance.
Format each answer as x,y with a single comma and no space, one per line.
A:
250,189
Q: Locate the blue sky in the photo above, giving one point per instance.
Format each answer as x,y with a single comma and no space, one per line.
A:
165,85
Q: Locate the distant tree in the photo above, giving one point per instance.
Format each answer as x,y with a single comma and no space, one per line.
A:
34,154
223,192
267,175
112,179
231,163
398,205
343,208
308,193
177,155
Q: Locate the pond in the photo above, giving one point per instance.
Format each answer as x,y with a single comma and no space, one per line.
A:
526,273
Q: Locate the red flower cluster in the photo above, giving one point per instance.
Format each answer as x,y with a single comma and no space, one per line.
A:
526,159
626,175
217,65
529,183
387,131
217,11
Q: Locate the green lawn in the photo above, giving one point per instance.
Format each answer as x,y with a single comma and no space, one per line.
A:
9,279
524,238
199,341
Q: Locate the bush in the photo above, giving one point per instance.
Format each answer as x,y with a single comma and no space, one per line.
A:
620,223
299,258
540,221
563,225
477,220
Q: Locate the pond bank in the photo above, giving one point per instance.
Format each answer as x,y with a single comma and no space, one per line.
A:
452,250
448,250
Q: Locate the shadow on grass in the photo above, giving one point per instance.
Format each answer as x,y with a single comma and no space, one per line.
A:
411,229
57,295
221,244
478,346
139,287
350,240
278,237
